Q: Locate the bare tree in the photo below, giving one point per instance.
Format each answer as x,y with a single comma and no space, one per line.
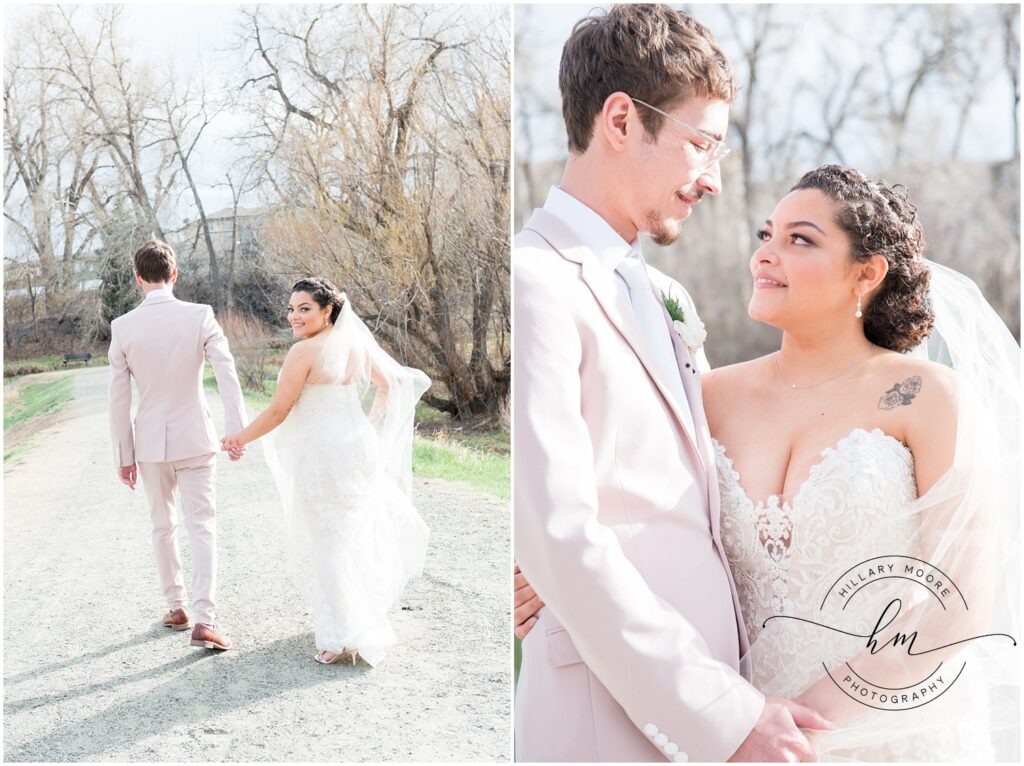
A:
386,138
239,182
51,160
1009,27
760,38
121,101
90,135
535,105
186,115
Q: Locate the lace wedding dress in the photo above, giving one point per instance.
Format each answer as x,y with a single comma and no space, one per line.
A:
784,556
342,464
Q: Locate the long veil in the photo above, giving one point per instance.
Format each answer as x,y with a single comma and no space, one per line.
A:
389,389
388,392
968,541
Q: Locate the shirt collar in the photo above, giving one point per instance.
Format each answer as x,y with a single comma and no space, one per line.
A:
160,292
592,230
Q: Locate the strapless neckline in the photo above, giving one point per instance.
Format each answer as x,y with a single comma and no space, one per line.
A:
827,455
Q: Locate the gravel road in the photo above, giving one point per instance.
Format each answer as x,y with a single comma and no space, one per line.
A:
91,675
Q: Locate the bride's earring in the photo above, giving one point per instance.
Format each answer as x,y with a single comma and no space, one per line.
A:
858,313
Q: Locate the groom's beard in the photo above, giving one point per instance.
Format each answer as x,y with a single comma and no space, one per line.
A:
661,231
664,230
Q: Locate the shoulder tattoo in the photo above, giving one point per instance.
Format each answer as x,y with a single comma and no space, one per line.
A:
901,394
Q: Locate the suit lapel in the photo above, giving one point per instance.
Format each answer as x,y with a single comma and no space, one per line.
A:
616,307
694,395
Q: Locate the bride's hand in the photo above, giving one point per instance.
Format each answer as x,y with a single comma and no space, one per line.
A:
233,446
527,604
376,413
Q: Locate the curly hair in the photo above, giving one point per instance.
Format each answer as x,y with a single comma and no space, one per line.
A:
879,219
648,50
324,293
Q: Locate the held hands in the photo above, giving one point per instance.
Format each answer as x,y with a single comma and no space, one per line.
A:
127,475
777,737
527,604
233,446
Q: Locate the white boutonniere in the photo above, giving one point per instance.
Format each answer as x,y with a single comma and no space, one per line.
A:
689,328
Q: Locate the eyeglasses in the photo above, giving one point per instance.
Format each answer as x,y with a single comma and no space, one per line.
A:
711,150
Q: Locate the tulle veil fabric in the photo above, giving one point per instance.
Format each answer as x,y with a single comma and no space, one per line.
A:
968,528
388,391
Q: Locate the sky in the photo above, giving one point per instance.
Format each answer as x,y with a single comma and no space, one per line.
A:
195,39
544,29
192,39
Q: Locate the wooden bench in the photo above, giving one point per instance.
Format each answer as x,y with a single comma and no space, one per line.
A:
77,358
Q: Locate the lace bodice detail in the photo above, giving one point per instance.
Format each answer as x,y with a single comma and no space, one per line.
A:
784,555
779,550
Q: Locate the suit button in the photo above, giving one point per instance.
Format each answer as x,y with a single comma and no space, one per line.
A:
671,748
650,730
660,740
680,757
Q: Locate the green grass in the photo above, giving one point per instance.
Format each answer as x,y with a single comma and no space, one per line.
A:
432,422
254,400
10,453
16,368
30,402
444,451
37,399
442,458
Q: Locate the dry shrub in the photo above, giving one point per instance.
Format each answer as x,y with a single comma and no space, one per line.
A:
250,341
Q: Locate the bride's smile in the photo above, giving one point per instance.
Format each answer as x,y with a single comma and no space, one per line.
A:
803,276
305,316
764,281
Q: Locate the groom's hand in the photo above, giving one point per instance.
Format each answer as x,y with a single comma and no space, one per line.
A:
127,474
776,736
527,604
233,446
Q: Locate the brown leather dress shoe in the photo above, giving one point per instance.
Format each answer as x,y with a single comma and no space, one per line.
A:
206,636
177,620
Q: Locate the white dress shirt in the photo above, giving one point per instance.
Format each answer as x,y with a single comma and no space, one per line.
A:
161,292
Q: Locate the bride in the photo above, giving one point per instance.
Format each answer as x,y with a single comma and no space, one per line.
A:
849,445
341,457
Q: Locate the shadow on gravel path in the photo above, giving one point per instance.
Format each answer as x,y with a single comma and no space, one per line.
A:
91,675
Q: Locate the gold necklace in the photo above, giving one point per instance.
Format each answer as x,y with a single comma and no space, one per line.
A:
820,382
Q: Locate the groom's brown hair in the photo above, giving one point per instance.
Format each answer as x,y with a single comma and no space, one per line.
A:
651,52
155,261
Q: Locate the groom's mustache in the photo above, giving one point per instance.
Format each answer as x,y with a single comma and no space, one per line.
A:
695,196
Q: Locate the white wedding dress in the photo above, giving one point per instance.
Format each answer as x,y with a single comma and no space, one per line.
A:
784,555
342,464
365,537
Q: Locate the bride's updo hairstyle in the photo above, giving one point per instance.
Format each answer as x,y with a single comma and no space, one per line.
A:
880,220
323,292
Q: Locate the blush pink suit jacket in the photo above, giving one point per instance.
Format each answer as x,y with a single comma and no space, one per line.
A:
162,343
638,653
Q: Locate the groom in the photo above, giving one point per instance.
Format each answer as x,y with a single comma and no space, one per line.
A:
162,344
638,654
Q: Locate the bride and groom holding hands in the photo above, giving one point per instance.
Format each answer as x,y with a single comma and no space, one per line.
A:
338,442
680,530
